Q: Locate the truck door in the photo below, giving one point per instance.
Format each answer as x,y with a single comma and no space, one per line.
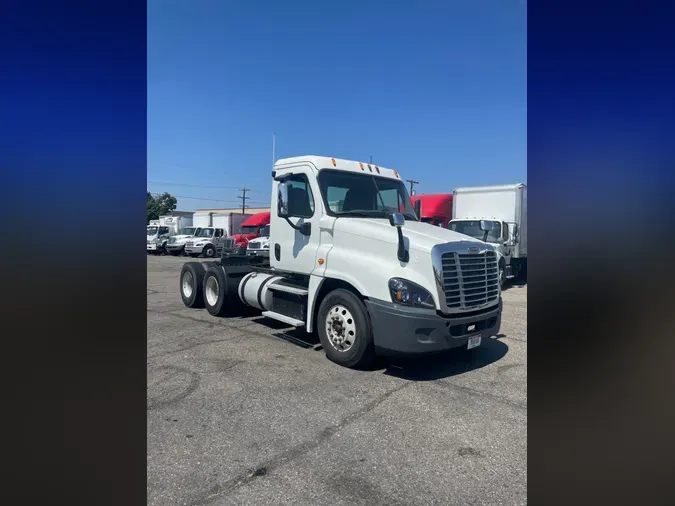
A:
290,250
507,242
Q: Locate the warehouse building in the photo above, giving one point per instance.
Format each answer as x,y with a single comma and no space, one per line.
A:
249,210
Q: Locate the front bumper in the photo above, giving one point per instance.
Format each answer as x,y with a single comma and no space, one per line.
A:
175,247
258,252
399,329
152,247
194,249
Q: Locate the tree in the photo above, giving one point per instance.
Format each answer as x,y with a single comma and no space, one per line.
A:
160,205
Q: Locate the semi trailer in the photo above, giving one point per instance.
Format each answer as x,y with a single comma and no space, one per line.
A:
367,275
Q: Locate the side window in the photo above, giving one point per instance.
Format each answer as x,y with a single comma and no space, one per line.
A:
506,232
219,232
163,230
300,197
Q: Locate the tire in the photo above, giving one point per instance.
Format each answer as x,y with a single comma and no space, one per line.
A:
220,299
190,284
209,251
342,304
502,274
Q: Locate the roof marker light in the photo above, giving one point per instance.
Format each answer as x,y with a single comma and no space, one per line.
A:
333,160
361,165
396,174
370,168
377,169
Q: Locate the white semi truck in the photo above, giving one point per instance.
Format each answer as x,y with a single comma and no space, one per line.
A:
260,246
506,207
367,275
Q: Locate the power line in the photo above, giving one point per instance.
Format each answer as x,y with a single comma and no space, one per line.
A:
262,204
202,186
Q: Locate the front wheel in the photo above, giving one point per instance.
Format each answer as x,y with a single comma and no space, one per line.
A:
345,329
209,251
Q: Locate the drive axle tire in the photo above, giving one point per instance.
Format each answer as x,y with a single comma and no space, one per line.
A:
191,278
345,330
220,296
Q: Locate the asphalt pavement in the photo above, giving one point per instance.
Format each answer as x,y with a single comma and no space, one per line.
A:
246,411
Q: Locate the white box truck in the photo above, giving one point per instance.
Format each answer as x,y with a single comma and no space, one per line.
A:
506,207
160,231
367,275
228,221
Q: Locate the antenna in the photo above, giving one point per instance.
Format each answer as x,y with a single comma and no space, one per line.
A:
274,148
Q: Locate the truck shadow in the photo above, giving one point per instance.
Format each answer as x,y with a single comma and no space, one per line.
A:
424,368
444,365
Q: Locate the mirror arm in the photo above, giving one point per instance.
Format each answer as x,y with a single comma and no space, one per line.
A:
402,253
304,228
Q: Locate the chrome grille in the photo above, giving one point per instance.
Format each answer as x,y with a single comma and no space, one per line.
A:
189,244
253,245
470,280
228,243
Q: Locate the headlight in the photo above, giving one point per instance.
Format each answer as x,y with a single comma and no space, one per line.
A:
410,294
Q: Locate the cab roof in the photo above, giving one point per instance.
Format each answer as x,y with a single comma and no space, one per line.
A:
327,162
434,204
257,220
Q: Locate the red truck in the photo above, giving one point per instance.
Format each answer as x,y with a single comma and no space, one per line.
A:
250,229
436,208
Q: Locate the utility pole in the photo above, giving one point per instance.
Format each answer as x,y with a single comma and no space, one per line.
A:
243,199
412,185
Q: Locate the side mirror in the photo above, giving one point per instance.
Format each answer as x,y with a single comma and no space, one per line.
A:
396,220
418,209
487,226
282,200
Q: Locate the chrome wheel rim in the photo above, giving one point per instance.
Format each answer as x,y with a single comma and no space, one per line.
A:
340,328
187,284
211,290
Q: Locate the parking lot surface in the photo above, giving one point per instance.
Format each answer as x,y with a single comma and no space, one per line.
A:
241,412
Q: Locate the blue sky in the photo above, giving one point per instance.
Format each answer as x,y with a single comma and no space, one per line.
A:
437,91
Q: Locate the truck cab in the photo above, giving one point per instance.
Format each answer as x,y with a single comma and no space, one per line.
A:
157,237
505,206
436,209
209,242
260,246
349,259
176,243
250,229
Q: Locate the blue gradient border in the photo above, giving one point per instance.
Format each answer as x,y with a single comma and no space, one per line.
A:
73,160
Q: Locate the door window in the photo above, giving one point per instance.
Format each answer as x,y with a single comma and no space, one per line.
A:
300,197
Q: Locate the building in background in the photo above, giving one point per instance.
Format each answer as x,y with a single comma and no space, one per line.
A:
249,210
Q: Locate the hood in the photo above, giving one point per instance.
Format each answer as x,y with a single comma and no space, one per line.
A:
243,237
422,236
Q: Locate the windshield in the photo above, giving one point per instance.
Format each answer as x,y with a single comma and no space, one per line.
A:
205,232
249,230
265,231
152,230
364,195
472,228
189,231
